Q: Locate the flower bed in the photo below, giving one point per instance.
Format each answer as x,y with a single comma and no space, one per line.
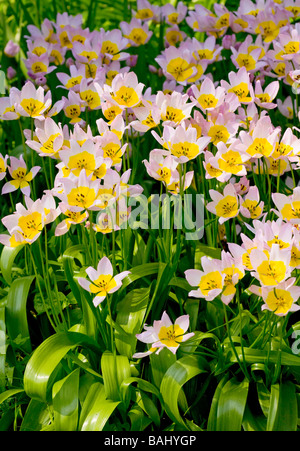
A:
150,218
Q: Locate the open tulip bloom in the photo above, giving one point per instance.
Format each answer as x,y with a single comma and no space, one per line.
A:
102,281
20,176
165,334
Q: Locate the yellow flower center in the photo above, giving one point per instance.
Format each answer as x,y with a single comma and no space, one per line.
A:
137,35
227,207
83,160
73,81
180,69
30,225
260,146
265,98
279,301
144,13
171,336
243,59
291,211
81,196
65,41
205,54
58,58
241,90
291,47
207,101
164,174
103,284
218,133
253,208
39,50
210,281
32,106
268,29
47,146
112,151
173,114
126,96
92,98
186,149
271,272
173,18
230,162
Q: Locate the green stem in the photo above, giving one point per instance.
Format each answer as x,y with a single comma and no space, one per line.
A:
113,349
40,290
232,344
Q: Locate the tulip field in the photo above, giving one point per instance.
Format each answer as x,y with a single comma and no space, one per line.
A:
150,216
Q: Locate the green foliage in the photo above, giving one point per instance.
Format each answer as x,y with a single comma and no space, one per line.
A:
66,365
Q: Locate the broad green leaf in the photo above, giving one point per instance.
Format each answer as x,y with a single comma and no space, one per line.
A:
177,375
139,421
253,421
131,312
283,412
67,261
115,368
273,409
213,413
45,359
138,272
37,416
65,402
16,314
263,397
148,406
231,405
142,384
96,409
9,393
180,283
7,259
262,356
160,363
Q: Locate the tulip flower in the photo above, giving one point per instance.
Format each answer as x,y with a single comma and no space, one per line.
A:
102,281
20,176
164,334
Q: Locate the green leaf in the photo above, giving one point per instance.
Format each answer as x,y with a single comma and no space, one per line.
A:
160,363
139,421
177,375
204,250
96,409
213,413
68,262
37,416
115,368
65,402
262,356
148,406
273,409
9,393
138,272
142,384
16,315
131,312
231,405
7,259
283,411
45,359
